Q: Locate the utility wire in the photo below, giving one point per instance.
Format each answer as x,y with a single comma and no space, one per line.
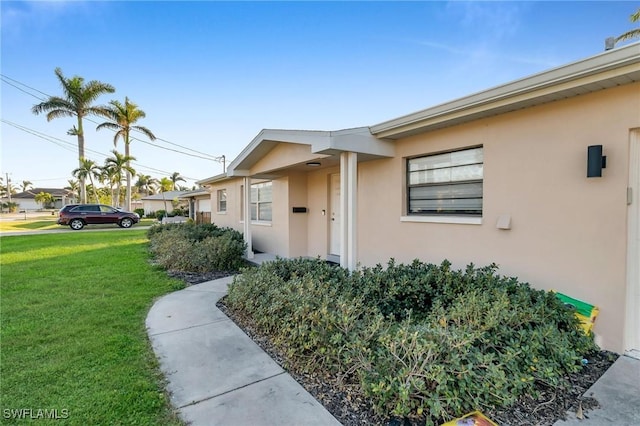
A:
72,147
12,82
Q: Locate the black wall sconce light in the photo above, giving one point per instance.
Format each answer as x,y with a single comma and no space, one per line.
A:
595,161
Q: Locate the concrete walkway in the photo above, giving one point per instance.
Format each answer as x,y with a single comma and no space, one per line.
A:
618,392
216,374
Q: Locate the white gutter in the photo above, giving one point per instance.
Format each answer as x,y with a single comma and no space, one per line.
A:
611,60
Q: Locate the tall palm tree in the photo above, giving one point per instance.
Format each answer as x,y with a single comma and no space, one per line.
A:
25,185
632,33
175,178
77,101
116,166
88,169
123,117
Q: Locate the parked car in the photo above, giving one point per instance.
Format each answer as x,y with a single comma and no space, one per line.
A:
79,215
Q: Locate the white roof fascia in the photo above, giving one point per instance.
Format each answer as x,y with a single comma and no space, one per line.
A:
322,142
358,140
599,67
212,179
266,140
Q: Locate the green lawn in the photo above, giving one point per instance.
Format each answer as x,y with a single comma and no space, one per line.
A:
72,333
41,224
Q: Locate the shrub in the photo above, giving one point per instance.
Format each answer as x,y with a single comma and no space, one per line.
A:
160,214
179,211
425,340
196,248
140,212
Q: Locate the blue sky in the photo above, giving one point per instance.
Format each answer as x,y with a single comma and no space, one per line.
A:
211,75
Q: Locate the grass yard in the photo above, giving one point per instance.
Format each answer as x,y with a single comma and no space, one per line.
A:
73,338
44,223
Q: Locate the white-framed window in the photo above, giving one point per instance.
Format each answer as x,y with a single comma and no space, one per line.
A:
222,200
448,183
261,196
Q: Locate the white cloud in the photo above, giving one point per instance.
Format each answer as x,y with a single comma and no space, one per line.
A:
21,16
490,19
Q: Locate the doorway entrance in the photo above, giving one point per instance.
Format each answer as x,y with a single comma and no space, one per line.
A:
334,217
632,320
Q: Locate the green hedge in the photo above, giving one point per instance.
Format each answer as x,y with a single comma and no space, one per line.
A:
196,248
423,340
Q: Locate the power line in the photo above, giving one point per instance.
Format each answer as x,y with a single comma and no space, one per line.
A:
22,84
10,81
60,142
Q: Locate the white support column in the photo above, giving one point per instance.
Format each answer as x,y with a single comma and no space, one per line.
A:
352,210
344,203
246,197
348,209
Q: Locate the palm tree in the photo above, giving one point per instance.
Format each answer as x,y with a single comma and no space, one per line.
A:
73,186
116,166
635,17
25,185
77,100
146,184
123,117
107,175
45,199
88,169
166,184
175,178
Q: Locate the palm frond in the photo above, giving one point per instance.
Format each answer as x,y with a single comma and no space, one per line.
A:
146,131
629,35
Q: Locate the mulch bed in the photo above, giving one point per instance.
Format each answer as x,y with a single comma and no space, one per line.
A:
341,395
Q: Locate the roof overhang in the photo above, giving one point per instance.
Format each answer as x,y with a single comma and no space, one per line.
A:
212,179
196,193
322,143
609,69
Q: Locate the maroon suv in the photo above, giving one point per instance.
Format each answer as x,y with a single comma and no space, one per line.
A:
79,215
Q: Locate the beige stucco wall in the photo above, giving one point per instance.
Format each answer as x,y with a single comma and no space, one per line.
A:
284,155
231,218
568,232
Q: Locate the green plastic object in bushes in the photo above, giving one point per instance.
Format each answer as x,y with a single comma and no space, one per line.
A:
585,312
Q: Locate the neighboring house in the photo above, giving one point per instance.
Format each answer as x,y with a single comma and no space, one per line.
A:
162,201
199,205
27,202
498,176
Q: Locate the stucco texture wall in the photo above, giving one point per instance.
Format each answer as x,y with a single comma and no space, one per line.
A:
568,231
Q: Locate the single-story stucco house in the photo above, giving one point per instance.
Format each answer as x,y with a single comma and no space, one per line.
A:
199,201
26,200
514,175
162,201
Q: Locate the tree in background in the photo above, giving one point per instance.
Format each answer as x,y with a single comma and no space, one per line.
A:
175,178
25,185
146,184
73,186
115,167
635,17
123,117
45,199
88,169
166,184
76,101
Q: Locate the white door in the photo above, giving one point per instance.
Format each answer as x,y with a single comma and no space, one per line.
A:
632,326
334,215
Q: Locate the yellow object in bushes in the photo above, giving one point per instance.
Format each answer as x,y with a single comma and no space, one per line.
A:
475,418
585,312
